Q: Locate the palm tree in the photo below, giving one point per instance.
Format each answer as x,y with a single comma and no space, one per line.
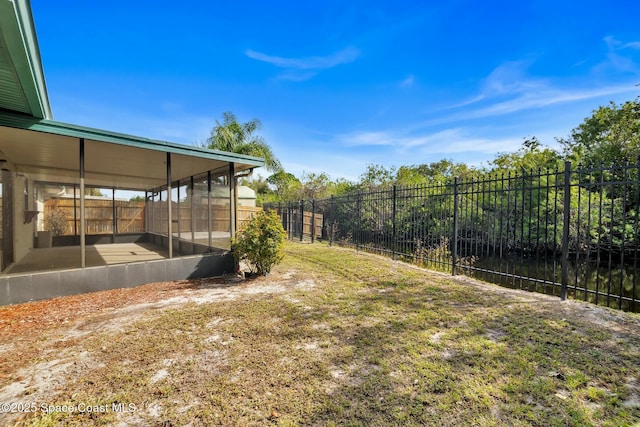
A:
240,138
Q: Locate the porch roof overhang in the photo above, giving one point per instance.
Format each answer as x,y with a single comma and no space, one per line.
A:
47,150
22,83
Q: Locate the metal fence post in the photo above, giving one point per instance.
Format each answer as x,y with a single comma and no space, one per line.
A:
454,243
313,220
394,230
331,222
289,220
506,219
565,231
356,223
301,220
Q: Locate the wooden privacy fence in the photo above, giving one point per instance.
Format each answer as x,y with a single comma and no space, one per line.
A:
311,223
130,216
182,219
99,215
245,213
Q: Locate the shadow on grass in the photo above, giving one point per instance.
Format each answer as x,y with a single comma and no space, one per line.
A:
404,356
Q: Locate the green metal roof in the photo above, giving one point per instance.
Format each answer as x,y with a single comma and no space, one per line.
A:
66,129
22,84
46,150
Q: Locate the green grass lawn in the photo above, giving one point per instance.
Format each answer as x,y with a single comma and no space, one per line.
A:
363,341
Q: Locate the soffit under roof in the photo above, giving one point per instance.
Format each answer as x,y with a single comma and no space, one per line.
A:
22,84
45,150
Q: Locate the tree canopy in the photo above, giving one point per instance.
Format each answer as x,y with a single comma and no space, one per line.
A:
611,135
531,156
608,136
241,138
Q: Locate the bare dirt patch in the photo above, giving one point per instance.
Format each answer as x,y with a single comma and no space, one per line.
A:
26,372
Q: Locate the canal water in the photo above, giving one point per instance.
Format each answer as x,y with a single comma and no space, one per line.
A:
602,283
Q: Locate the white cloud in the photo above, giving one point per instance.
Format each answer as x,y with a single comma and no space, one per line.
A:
470,144
510,78
507,79
632,45
343,56
300,69
408,82
614,44
381,138
544,97
367,139
454,140
509,89
617,59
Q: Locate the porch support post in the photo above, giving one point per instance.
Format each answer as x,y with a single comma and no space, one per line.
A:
233,208
83,255
209,228
178,213
114,227
193,222
146,211
75,211
169,217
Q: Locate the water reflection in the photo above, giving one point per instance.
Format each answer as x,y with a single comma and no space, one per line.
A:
600,283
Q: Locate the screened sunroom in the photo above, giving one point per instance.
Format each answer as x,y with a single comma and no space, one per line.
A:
86,204
86,209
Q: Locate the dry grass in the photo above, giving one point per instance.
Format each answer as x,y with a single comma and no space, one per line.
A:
335,337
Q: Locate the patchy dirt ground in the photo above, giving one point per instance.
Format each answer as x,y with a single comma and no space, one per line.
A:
25,329
41,349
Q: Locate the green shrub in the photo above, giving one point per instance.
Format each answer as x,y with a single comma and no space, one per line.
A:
261,242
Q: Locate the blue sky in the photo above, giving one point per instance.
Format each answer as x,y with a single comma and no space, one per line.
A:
341,84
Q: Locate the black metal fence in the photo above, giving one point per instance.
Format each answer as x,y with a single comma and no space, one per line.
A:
570,233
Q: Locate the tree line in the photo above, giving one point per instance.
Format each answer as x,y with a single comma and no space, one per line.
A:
515,208
610,136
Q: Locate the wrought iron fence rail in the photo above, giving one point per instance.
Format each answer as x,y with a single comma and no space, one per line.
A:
514,276
572,233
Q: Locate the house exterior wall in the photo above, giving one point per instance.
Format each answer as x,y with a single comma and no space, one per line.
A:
23,233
